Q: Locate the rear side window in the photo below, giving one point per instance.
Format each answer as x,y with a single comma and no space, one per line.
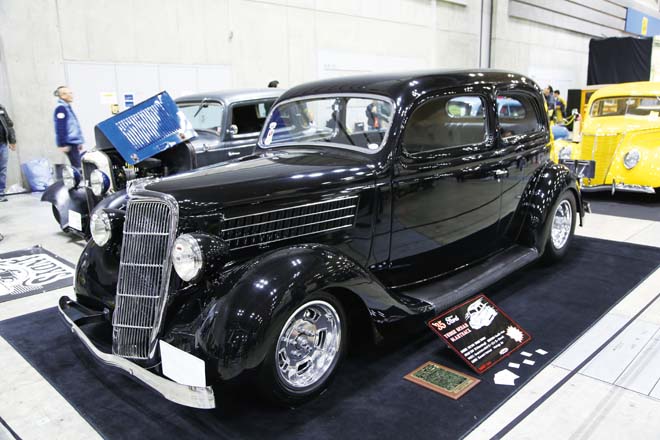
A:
445,122
517,115
250,118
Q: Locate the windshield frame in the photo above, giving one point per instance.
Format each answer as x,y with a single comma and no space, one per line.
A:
214,101
386,136
603,98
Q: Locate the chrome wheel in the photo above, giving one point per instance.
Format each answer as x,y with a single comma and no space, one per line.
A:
308,346
562,224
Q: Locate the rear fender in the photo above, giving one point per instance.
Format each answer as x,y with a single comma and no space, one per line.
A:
542,191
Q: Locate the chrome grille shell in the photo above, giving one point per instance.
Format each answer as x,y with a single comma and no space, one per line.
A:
144,273
267,227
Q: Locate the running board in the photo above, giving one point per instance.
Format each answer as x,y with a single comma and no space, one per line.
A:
449,291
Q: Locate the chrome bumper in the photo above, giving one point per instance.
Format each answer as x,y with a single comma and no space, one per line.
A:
620,187
195,397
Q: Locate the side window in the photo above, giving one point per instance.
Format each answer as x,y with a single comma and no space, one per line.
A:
517,115
445,122
249,118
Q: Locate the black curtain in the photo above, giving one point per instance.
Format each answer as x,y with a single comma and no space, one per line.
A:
618,60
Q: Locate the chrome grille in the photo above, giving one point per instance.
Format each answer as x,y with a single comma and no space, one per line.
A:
287,223
600,148
144,275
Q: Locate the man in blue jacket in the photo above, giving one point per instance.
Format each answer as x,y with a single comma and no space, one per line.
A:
68,133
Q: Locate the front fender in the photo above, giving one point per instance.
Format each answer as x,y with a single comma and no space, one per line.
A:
64,199
542,191
647,170
248,307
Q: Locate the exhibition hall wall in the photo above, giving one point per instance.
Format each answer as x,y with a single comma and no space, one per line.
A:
106,50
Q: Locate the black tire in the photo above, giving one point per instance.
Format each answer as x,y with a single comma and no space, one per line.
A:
56,214
270,380
554,252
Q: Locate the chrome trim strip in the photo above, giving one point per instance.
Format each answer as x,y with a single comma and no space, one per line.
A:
289,238
619,187
288,218
195,397
292,207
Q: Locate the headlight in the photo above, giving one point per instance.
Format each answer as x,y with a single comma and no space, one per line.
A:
99,182
187,257
100,227
631,159
70,177
565,152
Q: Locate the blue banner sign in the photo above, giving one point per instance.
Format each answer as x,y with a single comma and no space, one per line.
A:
640,23
146,129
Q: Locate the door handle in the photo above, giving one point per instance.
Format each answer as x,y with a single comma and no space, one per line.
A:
233,153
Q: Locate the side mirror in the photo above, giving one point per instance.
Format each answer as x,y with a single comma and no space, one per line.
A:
233,130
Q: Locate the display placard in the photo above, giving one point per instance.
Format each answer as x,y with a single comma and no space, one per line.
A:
479,332
443,380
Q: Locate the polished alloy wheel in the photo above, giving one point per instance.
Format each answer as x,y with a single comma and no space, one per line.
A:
308,346
562,224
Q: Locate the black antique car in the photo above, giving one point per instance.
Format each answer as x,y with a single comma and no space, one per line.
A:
371,204
227,125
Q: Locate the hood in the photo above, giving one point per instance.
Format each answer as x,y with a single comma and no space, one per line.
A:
611,125
291,174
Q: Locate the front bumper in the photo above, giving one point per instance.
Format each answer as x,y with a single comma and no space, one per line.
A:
620,187
76,315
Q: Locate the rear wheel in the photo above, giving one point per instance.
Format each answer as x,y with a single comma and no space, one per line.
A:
560,227
304,358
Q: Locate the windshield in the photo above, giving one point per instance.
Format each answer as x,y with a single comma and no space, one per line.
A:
203,115
344,121
624,106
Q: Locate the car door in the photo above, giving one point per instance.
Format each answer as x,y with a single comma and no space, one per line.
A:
446,188
523,139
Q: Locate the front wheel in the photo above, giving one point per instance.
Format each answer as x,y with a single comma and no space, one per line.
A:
305,356
560,227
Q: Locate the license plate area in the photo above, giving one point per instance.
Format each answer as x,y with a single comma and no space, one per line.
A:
581,168
75,220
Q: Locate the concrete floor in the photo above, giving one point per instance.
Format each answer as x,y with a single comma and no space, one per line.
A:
616,395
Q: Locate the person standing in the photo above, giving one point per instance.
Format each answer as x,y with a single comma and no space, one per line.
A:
560,106
68,133
7,142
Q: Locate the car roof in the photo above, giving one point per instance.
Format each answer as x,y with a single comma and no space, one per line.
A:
641,88
409,85
233,95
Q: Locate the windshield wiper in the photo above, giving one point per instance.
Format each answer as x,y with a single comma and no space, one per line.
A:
202,105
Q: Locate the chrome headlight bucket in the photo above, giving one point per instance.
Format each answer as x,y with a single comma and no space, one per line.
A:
194,254
99,182
70,177
631,159
101,228
105,223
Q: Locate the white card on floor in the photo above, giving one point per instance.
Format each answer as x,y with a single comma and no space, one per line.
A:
528,362
541,351
526,354
514,365
505,377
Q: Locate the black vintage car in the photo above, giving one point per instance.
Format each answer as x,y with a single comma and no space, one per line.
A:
227,125
371,204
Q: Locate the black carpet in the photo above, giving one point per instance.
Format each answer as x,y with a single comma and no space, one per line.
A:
370,398
639,206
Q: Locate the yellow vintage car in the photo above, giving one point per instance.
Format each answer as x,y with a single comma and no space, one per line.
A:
621,134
